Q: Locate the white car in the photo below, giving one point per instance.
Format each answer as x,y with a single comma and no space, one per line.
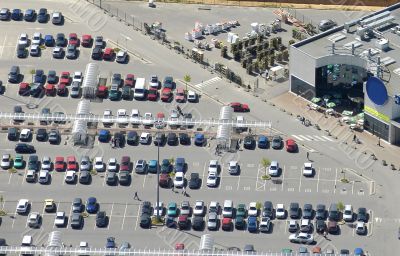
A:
154,83
198,209
35,50
348,213
301,238
158,206
121,57
234,167
23,39
78,77
361,229
212,178
273,168
122,116
60,219
179,179
308,169
6,161
46,163
56,18
37,38
144,138
192,96
252,211
99,164
25,135
70,176
22,206
33,220
305,226
148,119
280,211
265,224
112,165
213,207
58,52
213,166
107,114
135,116
43,176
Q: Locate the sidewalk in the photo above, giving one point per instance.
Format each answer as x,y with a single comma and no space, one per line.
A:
298,106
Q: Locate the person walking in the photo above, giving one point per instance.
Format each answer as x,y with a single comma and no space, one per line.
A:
325,234
354,138
136,197
172,188
308,155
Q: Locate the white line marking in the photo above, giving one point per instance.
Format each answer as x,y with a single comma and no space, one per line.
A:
283,176
207,82
334,190
301,175
9,179
304,137
2,47
319,171
319,138
327,138
144,181
297,137
238,183
109,219
137,217
204,173
220,176
123,220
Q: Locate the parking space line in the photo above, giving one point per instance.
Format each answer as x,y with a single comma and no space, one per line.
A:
109,219
24,178
204,173
63,180
104,178
238,183
137,216
286,226
319,171
3,45
15,214
144,181
283,177
220,176
334,190
69,216
123,220
9,179
352,187
301,174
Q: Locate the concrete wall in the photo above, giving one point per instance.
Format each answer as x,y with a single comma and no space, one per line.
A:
342,2
302,65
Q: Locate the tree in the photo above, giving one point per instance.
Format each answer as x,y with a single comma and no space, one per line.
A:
187,79
285,55
278,56
271,60
265,162
291,41
340,206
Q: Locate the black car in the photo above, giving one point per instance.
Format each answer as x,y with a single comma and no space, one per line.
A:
294,211
41,134
268,209
21,51
172,139
12,134
84,177
52,77
249,142
326,24
362,215
54,136
195,181
132,138
320,226
159,140
14,74
71,52
198,223
22,148
33,163
184,139
76,220
145,221
308,211
117,79
111,178
240,223
42,16
276,142
124,178
320,212
101,219
126,93
60,40
146,208
77,205
97,53
30,15
16,14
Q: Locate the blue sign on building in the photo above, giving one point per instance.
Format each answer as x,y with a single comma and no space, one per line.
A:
397,99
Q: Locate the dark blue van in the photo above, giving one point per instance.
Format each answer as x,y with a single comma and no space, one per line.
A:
104,136
262,142
199,139
49,40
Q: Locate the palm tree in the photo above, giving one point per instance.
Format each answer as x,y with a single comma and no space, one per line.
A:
187,79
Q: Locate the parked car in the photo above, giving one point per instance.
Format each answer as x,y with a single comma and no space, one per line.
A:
86,40
326,24
239,107
301,238
42,16
276,142
71,52
56,18
121,57
195,181
291,145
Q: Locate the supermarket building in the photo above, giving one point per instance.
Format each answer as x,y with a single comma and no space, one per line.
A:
360,57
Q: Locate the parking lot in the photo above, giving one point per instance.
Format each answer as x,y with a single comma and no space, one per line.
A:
118,201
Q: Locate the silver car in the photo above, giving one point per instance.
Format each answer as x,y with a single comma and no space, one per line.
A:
85,164
185,208
46,163
212,222
75,89
71,52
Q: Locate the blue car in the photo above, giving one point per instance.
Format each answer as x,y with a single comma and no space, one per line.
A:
152,166
16,14
110,242
262,142
29,15
49,40
91,205
252,224
180,164
199,139
39,77
104,136
358,252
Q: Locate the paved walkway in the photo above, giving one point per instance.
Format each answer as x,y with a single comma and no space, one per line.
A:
369,143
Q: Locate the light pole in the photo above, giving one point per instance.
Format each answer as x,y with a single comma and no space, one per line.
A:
158,180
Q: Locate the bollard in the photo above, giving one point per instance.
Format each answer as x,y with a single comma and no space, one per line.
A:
393,167
384,163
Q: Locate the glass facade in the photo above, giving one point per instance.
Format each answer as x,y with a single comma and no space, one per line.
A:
376,127
302,88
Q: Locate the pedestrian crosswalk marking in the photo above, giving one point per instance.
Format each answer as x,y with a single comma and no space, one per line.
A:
325,137
321,138
208,82
304,138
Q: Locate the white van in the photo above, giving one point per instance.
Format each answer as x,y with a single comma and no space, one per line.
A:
227,211
140,89
135,116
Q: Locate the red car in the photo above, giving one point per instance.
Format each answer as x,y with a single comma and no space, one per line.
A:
73,39
59,164
50,90
130,80
72,165
61,89
108,54
180,95
125,163
152,94
166,94
24,89
239,107
291,145
86,40
227,224
65,78
102,91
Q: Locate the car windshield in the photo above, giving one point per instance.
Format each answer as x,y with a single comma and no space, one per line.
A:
179,178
